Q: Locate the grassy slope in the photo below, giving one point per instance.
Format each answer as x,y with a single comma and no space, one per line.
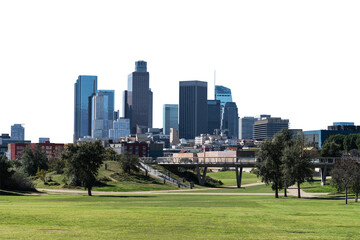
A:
176,217
229,177
125,182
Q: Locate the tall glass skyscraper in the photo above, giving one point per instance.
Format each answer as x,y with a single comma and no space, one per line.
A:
170,117
230,120
138,99
223,94
102,114
214,120
121,128
193,111
17,132
85,87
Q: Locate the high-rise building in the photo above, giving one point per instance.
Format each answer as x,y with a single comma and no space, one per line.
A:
121,128
230,120
246,127
174,136
44,140
223,94
193,114
138,99
266,128
170,117
85,87
17,132
102,113
214,118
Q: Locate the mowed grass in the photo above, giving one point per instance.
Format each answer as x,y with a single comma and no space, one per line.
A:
229,177
176,217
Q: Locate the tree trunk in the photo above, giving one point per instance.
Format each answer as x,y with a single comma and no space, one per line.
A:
299,195
285,192
89,191
345,195
356,197
276,191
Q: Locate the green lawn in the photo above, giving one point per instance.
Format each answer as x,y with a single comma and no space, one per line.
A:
229,177
253,189
176,217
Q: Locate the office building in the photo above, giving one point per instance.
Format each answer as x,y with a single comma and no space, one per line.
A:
138,99
52,150
102,114
17,132
266,128
170,117
121,128
193,114
246,127
44,140
230,120
85,88
223,94
174,136
214,118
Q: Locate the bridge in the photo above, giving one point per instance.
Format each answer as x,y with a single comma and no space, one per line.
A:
235,162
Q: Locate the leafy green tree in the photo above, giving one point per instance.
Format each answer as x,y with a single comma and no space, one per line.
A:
129,162
338,139
83,162
355,188
344,174
271,152
42,175
111,155
331,149
34,159
5,172
350,142
296,164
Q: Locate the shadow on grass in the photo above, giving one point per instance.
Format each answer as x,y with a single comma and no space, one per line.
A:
122,196
17,192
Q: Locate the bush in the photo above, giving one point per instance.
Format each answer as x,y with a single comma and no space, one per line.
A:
19,181
57,165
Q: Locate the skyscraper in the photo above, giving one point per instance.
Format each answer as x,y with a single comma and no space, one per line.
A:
246,127
138,99
193,114
214,120
266,128
17,132
230,120
223,94
170,117
85,87
121,128
102,113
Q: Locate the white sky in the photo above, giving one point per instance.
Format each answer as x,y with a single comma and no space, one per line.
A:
292,59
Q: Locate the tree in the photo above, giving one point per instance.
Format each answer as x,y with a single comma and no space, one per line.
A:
34,159
110,154
83,162
355,188
270,154
296,164
350,142
5,172
344,174
331,149
129,162
338,139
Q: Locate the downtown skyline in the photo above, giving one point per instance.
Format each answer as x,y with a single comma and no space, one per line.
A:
283,59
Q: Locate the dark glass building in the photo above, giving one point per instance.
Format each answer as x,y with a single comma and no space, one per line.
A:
246,127
17,132
193,110
170,117
102,113
214,120
85,88
230,120
138,99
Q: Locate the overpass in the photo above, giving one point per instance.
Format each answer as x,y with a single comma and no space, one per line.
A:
237,162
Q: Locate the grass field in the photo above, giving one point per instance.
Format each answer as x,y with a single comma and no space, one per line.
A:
229,177
176,217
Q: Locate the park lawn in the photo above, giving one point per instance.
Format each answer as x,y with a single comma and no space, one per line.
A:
252,189
315,187
176,217
228,178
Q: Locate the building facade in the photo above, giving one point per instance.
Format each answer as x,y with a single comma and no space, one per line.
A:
121,128
223,94
51,150
230,120
214,118
170,117
193,114
85,87
246,127
17,132
266,128
138,99
102,114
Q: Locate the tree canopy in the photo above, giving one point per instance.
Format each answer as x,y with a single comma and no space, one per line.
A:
34,160
5,172
129,162
83,162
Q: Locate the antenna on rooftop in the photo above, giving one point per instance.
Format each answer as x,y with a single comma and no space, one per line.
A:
214,83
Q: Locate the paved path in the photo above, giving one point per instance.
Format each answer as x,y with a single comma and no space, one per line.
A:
293,191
